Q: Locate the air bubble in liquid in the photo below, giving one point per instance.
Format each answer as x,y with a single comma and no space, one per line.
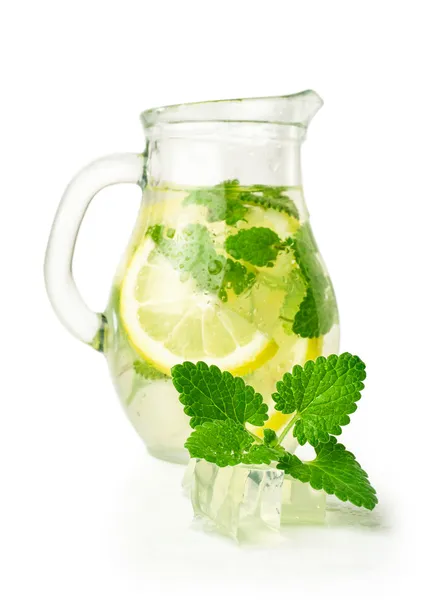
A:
215,267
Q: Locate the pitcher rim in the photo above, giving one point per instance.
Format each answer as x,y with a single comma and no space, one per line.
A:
295,109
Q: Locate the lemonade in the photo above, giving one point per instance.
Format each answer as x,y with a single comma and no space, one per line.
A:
229,275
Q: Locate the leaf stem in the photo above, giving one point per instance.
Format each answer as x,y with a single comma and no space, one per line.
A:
256,438
288,427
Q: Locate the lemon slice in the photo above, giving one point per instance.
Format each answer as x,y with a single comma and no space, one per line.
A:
169,321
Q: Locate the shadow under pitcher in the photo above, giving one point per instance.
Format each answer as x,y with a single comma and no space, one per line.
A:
222,265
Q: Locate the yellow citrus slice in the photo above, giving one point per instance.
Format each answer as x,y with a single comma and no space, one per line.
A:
169,321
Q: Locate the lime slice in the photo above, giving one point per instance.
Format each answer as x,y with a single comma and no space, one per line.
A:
169,321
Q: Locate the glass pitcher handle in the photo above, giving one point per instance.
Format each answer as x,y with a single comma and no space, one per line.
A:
65,298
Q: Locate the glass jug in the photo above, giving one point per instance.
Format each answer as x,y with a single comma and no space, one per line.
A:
221,267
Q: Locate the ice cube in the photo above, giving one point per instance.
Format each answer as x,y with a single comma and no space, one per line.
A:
240,501
187,479
301,503
248,500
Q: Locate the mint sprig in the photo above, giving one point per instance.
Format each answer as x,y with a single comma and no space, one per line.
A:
230,202
321,395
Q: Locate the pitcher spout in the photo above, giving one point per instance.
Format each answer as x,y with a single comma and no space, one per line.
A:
303,106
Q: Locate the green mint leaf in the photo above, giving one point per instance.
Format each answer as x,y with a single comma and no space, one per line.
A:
272,197
335,471
191,251
156,232
318,311
321,394
295,294
209,394
257,245
147,371
270,437
316,314
235,211
272,192
236,278
262,455
221,442
222,202
305,250
228,443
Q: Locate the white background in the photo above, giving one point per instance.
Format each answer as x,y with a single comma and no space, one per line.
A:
85,513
